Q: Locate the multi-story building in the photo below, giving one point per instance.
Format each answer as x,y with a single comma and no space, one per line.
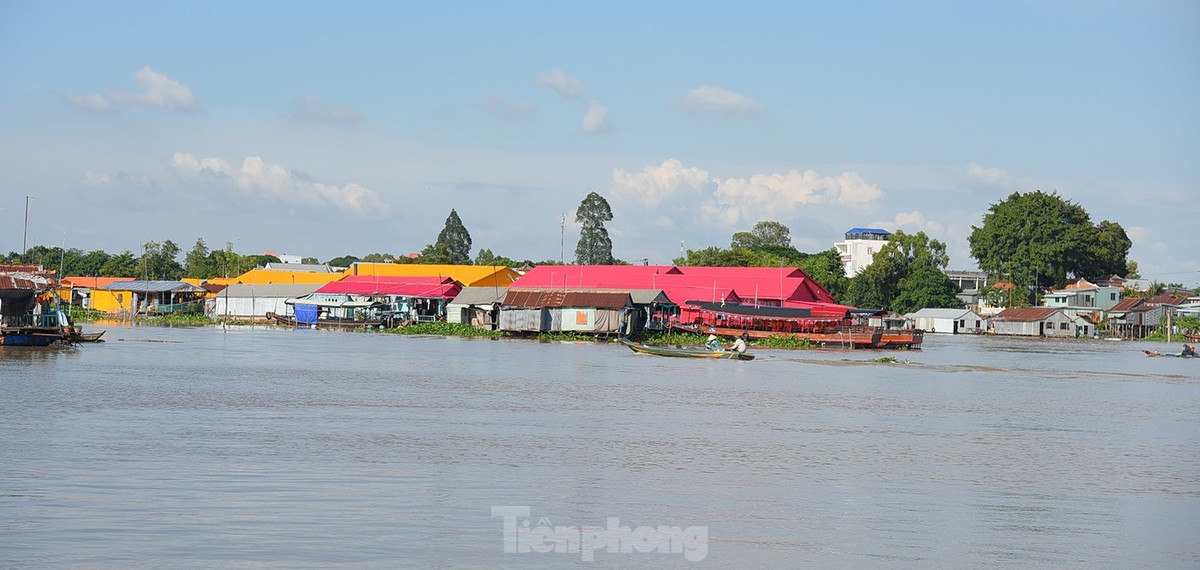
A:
859,248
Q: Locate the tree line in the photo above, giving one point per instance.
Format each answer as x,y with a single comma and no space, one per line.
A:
1031,240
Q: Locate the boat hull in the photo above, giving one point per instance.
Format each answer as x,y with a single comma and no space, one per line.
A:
686,352
853,337
290,321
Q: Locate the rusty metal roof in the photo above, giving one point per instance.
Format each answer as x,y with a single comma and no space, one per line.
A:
1026,314
541,298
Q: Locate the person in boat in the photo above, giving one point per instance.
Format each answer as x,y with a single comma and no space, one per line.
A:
739,345
1188,350
713,342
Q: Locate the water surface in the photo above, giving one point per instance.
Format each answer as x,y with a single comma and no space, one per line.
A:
271,448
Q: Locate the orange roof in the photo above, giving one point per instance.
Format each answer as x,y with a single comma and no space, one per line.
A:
92,282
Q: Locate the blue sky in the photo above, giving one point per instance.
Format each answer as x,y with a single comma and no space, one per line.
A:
319,129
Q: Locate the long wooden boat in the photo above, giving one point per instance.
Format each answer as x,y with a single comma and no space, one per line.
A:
329,323
1174,354
731,320
686,352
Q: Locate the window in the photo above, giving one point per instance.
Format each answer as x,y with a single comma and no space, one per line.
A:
1112,296
1064,326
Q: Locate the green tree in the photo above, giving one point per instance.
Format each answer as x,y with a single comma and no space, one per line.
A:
123,264
766,234
827,269
595,246
158,261
309,261
196,262
457,242
1131,270
343,261
1041,238
437,254
905,271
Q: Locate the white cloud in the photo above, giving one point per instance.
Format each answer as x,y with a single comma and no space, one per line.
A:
158,91
668,182
564,84
913,222
721,101
595,118
501,106
780,195
256,177
313,109
994,178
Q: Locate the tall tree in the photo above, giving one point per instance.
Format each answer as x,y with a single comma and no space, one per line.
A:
196,263
828,270
1041,239
456,239
905,273
594,247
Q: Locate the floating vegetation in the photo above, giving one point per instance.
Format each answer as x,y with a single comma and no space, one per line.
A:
445,329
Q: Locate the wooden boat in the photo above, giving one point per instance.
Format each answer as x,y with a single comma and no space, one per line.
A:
85,337
324,323
686,352
1174,354
731,320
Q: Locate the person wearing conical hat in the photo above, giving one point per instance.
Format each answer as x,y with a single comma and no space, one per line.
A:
713,342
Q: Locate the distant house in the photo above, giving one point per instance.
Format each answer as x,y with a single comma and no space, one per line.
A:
948,321
1034,321
467,275
1082,294
78,290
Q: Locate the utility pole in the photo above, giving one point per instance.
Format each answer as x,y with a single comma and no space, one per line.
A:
25,237
562,233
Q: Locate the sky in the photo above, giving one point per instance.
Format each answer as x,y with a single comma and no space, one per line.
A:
324,129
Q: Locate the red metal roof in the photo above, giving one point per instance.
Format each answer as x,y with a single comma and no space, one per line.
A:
443,287
1127,304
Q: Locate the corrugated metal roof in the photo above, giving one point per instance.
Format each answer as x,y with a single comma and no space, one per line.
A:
152,287
538,298
261,290
1026,314
10,282
480,295
443,287
1127,304
92,282
954,314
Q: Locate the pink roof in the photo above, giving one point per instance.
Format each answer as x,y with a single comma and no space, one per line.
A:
444,287
788,285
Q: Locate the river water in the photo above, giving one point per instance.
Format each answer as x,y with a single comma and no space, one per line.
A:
269,448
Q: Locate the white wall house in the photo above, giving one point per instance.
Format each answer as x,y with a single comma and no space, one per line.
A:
859,248
948,321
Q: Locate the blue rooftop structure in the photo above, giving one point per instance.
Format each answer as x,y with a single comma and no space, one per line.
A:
867,233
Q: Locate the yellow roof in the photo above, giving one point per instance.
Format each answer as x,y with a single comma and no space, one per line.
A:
277,276
468,275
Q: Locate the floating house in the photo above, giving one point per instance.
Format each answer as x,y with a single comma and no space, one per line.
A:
560,310
948,321
411,299
477,306
1034,321
148,297
77,290
254,300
